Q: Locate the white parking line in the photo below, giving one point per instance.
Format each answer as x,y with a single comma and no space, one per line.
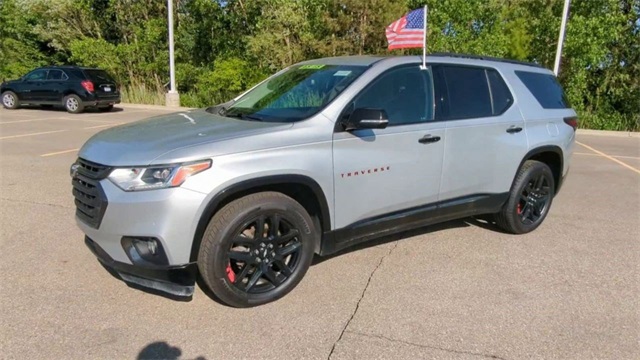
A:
614,156
609,157
100,126
45,119
31,134
59,152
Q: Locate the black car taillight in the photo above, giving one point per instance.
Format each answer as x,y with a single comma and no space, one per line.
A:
572,121
88,85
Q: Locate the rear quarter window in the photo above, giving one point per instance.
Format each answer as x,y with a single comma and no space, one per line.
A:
545,88
99,76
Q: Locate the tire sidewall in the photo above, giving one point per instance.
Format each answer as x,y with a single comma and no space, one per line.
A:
222,286
15,100
78,109
533,171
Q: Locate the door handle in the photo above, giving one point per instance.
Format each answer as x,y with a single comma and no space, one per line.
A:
514,129
428,139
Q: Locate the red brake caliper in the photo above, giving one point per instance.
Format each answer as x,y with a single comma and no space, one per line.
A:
230,274
519,208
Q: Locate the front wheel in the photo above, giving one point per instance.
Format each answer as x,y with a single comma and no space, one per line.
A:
529,200
256,249
10,100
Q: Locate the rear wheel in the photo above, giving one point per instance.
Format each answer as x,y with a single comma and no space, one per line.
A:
256,249
73,104
10,100
105,108
529,200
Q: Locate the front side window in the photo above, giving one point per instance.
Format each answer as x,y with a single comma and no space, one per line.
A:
296,94
467,92
37,75
405,94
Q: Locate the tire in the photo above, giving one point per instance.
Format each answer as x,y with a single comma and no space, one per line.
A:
105,108
73,104
10,100
243,268
529,200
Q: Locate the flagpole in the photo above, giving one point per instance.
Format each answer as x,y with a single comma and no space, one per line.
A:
424,40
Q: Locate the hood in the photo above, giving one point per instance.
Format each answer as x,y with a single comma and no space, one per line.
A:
140,142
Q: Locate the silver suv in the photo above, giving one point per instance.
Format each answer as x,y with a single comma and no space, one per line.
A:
323,155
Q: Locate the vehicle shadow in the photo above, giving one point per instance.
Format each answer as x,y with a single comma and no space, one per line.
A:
57,108
162,350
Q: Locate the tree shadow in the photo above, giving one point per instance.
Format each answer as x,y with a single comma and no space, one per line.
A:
162,350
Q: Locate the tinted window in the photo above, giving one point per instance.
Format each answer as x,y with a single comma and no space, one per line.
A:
467,92
37,75
404,93
99,76
76,73
56,75
500,93
545,89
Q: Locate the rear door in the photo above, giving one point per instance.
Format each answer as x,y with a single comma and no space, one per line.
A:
55,86
484,137
103,83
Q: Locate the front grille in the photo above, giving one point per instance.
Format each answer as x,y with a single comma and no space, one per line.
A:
91,203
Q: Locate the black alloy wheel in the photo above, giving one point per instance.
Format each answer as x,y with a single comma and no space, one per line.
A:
257,248
529,200
534,199
263,254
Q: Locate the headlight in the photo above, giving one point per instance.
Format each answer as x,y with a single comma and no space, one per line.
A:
156,177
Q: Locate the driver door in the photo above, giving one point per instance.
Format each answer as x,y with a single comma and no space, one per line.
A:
381,173
33,86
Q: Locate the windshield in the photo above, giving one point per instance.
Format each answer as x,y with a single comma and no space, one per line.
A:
295,94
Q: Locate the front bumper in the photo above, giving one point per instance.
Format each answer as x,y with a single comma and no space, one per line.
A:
175,280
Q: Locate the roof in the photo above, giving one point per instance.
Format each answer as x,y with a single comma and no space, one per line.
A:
365,60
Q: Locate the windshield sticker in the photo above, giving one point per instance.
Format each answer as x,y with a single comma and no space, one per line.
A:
342,73
313,67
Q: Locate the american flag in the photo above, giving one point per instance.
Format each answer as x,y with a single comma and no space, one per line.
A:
407,32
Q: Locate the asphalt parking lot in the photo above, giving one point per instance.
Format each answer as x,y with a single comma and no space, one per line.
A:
458,290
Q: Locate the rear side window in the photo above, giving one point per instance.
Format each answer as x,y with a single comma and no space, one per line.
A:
500,95
467,92
56,75
99,76
545,88
76,73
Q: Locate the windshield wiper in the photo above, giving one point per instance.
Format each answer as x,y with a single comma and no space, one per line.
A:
243,116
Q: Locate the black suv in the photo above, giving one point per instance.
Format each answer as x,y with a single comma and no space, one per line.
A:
73,87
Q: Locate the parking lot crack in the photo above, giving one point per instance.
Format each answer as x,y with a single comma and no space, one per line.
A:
488,356
364,291
36,203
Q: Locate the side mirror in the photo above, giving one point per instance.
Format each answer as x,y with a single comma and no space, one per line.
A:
366,118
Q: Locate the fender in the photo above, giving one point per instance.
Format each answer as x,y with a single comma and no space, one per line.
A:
539,150
257,183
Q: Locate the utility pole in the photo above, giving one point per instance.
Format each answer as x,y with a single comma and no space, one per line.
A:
172,98
563,28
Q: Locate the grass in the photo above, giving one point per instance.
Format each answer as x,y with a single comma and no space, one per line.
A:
140,94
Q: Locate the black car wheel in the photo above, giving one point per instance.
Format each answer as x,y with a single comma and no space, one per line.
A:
257,249
10,100
530,199
73,104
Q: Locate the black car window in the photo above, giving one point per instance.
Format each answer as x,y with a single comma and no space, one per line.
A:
36,75
545,89
500,95
56,75
406,94
76,73
467,92
99,76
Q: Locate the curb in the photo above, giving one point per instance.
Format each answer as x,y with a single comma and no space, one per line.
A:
633,134
154,107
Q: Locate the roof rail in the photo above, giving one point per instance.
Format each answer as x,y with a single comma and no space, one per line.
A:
488,58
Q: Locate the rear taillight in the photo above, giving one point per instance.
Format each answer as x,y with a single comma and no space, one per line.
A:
571,121
88,85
